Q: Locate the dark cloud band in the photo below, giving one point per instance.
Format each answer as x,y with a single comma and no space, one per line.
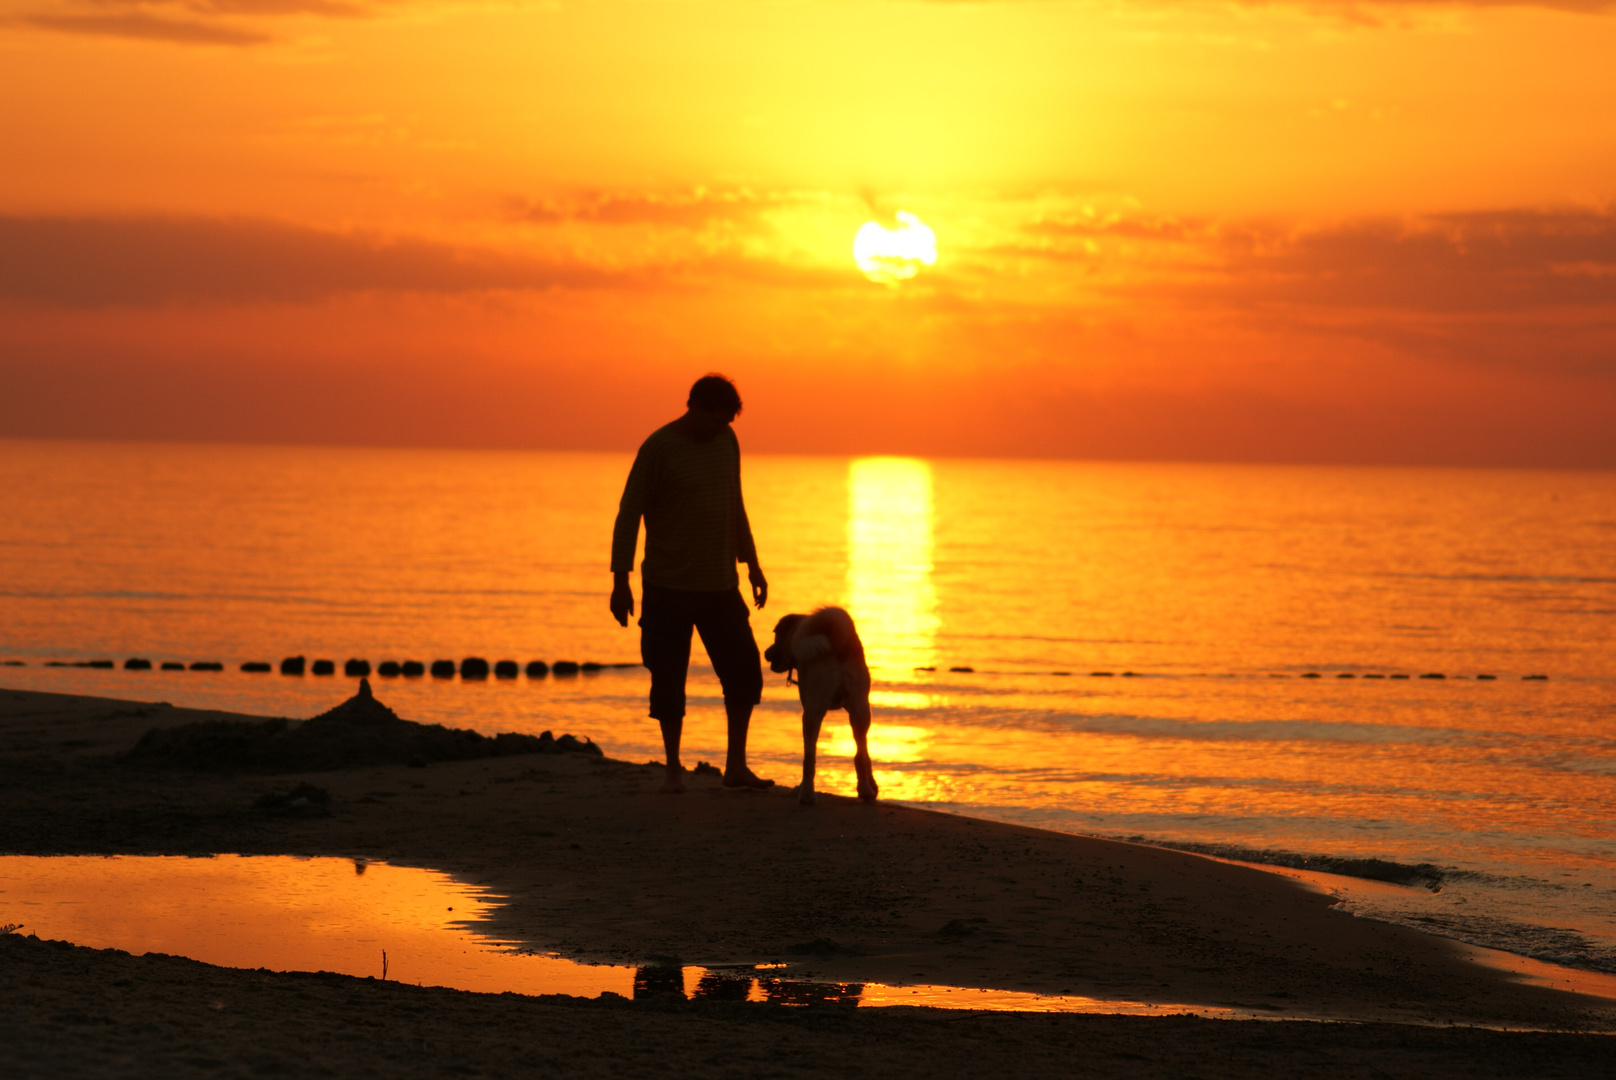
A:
1484,262
198,22
142,27
100,262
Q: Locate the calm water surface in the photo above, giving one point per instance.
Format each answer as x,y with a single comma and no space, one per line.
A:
1218,587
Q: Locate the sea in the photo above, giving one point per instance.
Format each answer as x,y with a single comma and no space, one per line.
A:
1401,679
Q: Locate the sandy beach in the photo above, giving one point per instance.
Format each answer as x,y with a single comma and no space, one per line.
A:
599,867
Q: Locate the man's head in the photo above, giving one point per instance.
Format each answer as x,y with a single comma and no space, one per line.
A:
713,403
715,394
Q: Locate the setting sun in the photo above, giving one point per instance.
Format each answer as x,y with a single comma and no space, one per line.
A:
893,255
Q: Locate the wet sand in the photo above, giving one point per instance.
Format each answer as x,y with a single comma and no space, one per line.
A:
598,866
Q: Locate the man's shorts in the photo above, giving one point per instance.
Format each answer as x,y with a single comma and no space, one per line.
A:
666,618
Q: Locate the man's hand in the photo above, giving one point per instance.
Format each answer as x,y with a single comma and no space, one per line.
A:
622,599
760,584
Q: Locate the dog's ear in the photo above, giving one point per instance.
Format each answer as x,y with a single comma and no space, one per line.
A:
779,654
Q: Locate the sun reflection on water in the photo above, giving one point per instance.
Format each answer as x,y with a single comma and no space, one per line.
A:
905,699
888,743
889,563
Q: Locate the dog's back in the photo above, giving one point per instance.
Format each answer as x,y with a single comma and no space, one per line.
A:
836,626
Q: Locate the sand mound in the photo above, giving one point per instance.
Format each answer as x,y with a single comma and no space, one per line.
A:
360,731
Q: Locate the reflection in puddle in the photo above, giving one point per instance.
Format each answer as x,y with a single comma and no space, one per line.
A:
759,984
344,915
741,984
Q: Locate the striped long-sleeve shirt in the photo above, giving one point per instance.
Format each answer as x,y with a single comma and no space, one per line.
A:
689,494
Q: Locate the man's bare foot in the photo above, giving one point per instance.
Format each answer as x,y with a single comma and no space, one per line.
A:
805,795
673,781
745,778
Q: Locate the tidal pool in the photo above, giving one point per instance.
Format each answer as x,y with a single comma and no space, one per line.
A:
286,914
363,918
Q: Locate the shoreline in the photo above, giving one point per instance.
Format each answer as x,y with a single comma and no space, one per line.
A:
1493,883
596,866
1587,981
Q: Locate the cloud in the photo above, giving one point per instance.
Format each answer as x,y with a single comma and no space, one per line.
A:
213,22
99,262
1518,289
1114,225
1451,263
691,210
1372,12
340,9
1513,288
185,22
104,262
1488,262
1369,12
1510,289
143,27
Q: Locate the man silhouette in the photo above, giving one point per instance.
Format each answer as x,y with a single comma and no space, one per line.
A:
686,484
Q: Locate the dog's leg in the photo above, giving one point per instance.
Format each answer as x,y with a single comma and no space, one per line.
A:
858,714
812,718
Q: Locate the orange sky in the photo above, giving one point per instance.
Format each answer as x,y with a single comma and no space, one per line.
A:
1358,232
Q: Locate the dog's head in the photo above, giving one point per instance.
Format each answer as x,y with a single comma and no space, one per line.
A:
779,654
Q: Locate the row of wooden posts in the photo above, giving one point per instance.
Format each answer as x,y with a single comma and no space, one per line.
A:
475,667
472,667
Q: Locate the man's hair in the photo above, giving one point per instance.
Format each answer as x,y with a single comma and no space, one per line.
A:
715,393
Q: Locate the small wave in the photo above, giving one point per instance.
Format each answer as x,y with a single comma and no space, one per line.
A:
1165,727
1551,944
1418,875
1509,579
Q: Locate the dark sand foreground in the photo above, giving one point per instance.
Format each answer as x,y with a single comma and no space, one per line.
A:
600,867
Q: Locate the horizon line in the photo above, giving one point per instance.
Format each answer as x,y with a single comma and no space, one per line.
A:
472,448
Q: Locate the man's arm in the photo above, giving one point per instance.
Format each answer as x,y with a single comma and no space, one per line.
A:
622,601
745,546
626,535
